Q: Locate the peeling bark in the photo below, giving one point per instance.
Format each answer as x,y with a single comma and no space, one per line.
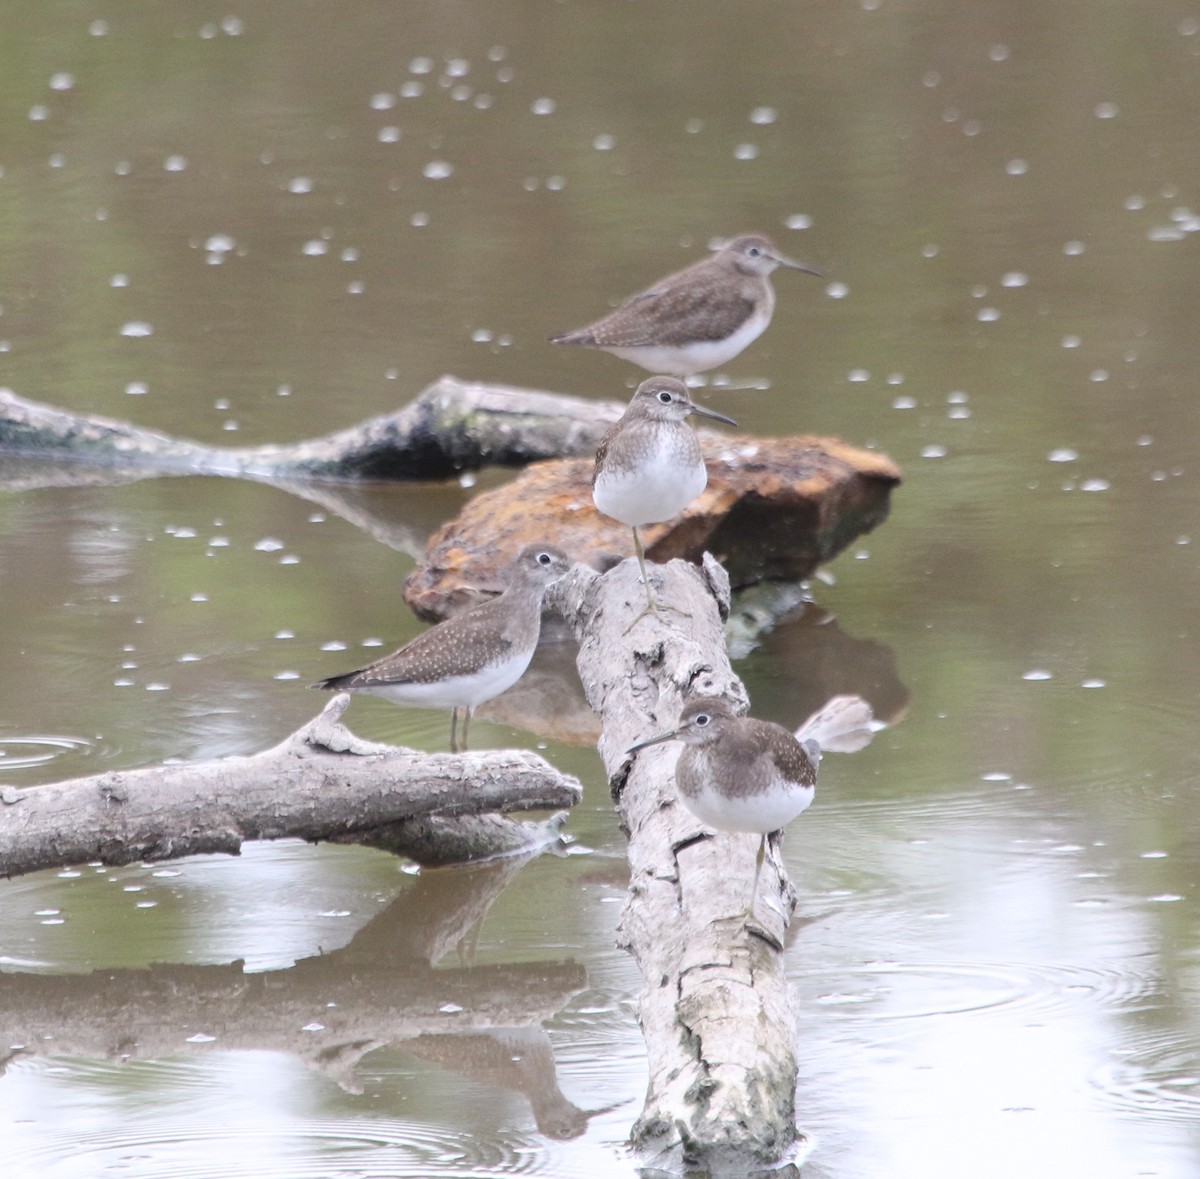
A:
322,782
715,1007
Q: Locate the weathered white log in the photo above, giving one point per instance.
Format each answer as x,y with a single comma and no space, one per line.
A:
452,426
322,782
715,1007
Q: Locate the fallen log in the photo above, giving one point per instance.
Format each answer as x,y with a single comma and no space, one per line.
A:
715,1006
322,782
451,427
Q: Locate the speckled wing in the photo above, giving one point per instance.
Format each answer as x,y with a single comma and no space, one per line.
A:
463,644
673,314
783,755
602,449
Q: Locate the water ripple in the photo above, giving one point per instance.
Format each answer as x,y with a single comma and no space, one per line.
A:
902,990
1158,1079
365,1149
23,753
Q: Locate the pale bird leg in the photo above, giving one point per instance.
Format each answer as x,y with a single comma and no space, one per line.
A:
652,606
758,863
641,556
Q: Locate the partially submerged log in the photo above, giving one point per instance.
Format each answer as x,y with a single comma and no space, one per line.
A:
451,427
715,1006
322,782
774,509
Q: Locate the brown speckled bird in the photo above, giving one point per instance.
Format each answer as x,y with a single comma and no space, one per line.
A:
472,656
649,466
697,319
740,774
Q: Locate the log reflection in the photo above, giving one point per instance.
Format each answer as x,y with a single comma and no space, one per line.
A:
384,988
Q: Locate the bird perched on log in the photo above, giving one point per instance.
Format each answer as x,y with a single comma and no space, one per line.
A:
472,656
739,774
649,466
697,319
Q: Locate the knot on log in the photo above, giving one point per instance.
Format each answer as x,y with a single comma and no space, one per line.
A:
112,789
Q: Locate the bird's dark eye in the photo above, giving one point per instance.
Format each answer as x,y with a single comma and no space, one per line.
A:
754,251
664,396
544,558
701,720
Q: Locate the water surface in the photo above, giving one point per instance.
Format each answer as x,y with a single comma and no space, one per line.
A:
259,225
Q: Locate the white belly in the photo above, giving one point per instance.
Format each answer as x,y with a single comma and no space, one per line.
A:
658,489
697,357
760,812
463,691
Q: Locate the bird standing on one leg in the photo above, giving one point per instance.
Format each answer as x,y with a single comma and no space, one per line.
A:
472,656
740,774
649,466
697,319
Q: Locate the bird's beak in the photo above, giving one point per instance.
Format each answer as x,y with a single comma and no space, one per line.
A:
792,264
712,413
653,741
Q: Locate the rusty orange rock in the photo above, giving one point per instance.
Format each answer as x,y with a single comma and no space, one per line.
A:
774,509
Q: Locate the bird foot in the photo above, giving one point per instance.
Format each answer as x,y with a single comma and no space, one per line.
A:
654,608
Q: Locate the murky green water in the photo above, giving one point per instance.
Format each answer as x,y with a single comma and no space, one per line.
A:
317,209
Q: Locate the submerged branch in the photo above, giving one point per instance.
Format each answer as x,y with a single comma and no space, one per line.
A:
321,783
452,426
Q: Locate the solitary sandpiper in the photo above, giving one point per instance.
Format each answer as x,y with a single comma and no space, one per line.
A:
649,466
473,655
697,319
740,774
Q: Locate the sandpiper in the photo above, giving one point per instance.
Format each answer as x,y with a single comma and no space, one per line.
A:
740,774
697,319
473,655
649,466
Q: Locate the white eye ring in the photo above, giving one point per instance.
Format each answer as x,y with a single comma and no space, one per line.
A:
702,719
664,397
